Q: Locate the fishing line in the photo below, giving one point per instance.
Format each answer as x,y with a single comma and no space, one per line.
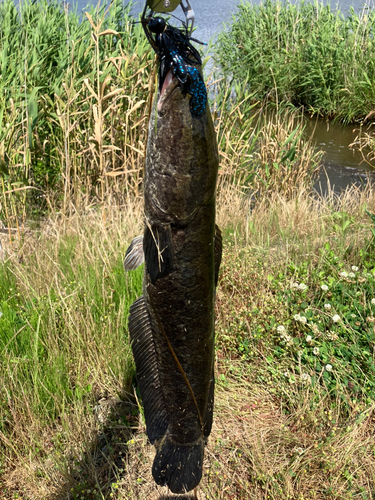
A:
160,256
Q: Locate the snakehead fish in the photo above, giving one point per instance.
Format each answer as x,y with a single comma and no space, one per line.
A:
172,324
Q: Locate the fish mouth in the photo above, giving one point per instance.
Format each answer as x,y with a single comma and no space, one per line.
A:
169,85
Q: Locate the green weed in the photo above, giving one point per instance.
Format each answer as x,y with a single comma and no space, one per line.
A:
304,54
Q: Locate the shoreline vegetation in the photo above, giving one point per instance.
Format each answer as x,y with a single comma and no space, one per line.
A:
305,54
295,305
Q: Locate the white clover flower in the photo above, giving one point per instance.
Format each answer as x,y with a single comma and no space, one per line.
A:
316,351
305,377
353,315
354,268
294,286
281,329
373,302
302,286
301,319
343,274
296,317
309,338
314,328
327,306
288,339
336,318
324,288
332,336
351,275
328,368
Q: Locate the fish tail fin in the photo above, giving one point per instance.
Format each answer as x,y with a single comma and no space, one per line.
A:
178,466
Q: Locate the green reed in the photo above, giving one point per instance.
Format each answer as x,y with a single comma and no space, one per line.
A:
305,54
73,94
74,107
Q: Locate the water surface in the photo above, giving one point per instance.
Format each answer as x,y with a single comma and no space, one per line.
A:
343,164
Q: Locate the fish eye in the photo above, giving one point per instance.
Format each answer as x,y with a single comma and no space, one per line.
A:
156,25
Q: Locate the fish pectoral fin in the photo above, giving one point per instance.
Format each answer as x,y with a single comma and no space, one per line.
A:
218,249
158,250
134,256
146,362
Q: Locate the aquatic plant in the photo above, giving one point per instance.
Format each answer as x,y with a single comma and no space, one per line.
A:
305,54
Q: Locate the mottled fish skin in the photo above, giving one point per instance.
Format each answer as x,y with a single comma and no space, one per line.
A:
172,324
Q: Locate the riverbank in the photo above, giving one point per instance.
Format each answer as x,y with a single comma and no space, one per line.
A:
295,304
294,365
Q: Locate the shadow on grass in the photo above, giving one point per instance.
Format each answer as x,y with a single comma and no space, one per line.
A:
94,475
177,497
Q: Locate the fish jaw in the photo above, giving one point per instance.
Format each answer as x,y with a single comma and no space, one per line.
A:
169,85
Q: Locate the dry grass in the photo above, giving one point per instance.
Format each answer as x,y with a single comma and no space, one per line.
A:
365,141
270,440
284,160
66,275
256,451
277,223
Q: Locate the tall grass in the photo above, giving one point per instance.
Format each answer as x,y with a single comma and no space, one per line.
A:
64,302
261,151
305,54
72,106
74,111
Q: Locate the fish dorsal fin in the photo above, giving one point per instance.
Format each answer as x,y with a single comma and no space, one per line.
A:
218,249
134,256
157,248
141,335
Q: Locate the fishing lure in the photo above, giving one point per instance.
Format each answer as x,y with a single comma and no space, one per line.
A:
176,53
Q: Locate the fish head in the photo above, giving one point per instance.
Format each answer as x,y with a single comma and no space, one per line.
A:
182,156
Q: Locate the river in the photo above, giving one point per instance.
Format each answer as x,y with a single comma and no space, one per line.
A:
343,166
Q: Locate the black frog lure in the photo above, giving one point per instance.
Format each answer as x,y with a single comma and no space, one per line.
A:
176,53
